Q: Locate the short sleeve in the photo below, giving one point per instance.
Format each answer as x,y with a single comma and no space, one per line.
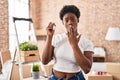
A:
87,44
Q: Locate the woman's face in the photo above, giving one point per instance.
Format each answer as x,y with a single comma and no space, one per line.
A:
70,20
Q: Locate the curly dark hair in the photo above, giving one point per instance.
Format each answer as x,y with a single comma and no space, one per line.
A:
69,8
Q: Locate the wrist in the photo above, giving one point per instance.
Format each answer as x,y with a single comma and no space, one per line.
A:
49,38
74,45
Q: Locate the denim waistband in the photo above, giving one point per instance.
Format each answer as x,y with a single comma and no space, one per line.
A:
77,76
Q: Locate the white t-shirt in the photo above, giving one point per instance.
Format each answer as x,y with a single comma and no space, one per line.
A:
63,53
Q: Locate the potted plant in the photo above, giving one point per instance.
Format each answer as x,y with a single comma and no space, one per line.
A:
35,71
29,52
26,46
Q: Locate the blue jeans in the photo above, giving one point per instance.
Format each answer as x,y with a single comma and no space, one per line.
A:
77,76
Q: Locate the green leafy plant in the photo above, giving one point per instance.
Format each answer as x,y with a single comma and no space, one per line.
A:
26,46
35,67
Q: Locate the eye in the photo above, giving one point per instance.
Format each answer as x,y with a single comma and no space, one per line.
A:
66,20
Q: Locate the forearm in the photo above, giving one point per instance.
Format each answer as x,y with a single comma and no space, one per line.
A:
47,52
81,59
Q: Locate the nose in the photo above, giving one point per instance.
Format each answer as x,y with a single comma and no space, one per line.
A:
69,22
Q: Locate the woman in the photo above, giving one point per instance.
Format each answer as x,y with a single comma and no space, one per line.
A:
72,51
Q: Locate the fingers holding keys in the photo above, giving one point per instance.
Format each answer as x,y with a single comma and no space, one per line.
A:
51,28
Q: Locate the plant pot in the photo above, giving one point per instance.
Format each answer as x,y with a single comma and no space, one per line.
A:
35,75
30,56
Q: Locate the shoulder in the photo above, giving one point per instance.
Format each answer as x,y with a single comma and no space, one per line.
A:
58,39
86,43
84,39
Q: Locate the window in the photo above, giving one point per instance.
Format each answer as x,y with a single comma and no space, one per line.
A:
20,9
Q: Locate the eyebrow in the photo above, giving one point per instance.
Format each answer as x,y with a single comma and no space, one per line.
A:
70,17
